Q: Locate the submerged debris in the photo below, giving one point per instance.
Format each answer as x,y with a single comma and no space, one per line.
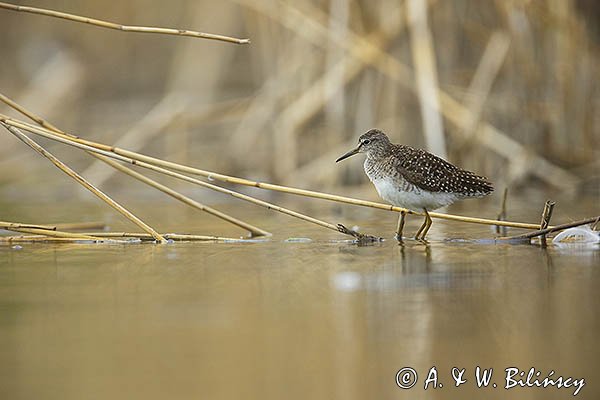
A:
577,235
360,238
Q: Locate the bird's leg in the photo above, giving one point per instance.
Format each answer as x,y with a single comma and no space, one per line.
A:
400,227
429,223
425,227
421,229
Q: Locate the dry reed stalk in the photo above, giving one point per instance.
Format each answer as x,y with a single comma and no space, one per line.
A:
555,228
483,79
423,55
52,239
119,27
546,215
60,79
168,236
254,231
47,232
150,125
263,105
8,225
58,227
42,239
315,98
110,237
152,163
219,111
311,23
335,109
319,169
40,121
82,181
502,215
108,151
182,73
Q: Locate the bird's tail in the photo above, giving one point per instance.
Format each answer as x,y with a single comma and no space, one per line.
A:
477,186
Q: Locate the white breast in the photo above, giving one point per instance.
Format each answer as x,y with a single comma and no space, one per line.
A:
406,195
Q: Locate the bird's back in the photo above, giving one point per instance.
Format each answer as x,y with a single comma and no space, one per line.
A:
427,172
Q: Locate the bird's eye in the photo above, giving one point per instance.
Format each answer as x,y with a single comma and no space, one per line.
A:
366,141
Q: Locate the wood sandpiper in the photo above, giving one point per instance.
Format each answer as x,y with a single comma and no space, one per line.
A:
415,179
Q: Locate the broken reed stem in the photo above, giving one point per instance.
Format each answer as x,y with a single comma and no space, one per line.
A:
137,159
111,236
554,228
502,216
546,215
51,233
43,239
9,225
54,231
78,143
67,170
119,27
37,119
168,236
254,231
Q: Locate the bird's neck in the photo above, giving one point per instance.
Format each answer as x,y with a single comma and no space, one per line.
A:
375,165
379,152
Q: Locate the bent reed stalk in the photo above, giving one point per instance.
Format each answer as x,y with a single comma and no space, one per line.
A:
169,236
39,230
554,229
75,142
9,225
46,239
148,160
119,27
82,181
44,235
254,231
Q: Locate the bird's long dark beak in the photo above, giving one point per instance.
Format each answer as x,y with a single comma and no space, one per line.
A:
348,154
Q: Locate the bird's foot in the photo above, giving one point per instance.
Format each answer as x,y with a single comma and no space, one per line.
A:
361,238
398,237
421,238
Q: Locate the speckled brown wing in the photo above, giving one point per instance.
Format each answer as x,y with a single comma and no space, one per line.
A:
435,174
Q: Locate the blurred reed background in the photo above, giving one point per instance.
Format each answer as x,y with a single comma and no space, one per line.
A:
516,83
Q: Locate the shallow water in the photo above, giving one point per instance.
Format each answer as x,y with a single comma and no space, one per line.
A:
294,319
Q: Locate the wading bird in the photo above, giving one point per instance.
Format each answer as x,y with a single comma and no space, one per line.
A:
415,179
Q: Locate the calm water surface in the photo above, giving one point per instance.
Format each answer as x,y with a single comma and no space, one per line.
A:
292,320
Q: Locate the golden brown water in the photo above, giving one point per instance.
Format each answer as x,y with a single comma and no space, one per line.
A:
292,320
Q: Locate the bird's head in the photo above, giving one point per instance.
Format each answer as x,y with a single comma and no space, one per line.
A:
373,143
